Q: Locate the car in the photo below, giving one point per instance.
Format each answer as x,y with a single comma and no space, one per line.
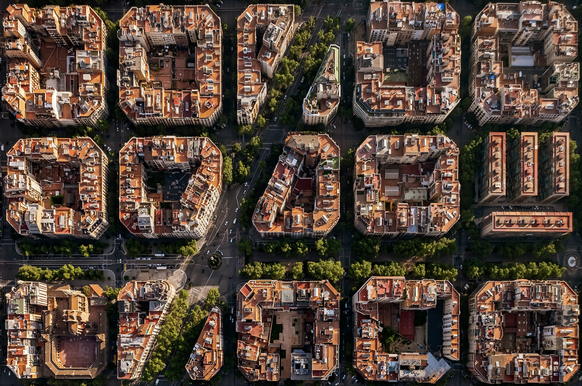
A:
275,119
218,5
246,184
226,223
245,191
234,222
344,377
230,277
208,252
236,210
2,147
344,55
461,266
230,233
117,128
285,97
215,217
231,239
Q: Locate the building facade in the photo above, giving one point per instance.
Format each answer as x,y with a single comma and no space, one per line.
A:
54,331
143,308
554,168
531,36
323,98
406,186
523,332
492,179
409,70
522,168
191,170
302,198
55,61
275,23
57,187
170,65
310,313
386,302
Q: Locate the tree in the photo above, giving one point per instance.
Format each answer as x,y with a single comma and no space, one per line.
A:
223,150
321,247
258,270
419,270
236,148
244,130
261,121
297,10
300,249
212,298
298,271
367,248
86,290
474,268
245,247
103,125
222,120
349,25
465,27
512,250
442,271
331,23
242,172
256,143
227,170
325,269
136,248
187,248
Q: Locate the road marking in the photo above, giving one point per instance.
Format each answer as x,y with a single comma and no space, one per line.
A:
207,282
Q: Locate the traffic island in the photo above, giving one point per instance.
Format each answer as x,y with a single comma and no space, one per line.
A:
215,261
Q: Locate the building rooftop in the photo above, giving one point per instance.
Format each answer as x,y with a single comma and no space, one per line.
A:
305,313
523,331
143,306
64,45
207,354
534,223
274,22
325,92
406,184
390,302
55,331
302,197
193,170
57,187
170,64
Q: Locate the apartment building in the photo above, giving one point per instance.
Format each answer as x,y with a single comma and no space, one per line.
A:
386,302
554,168
531,36
143,307
191,170
302,198
55,65
409,70
57,187
492,177
522,168
288,330
170,65
207,355
275,24
526,224
406,185
523,331
323,98
55,331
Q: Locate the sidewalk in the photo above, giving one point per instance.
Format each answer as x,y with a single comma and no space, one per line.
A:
176,277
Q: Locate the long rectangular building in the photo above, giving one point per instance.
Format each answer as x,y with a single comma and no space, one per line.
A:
492,176
554,168
522,168
526,224
55,65
524,331
207,355
170,65
390,303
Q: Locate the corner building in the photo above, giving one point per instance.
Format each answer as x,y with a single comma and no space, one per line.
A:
170,65
391,302
191,170
55,65
523,331
409,70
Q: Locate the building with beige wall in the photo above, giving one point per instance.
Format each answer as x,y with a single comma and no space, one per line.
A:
526,224
207,354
